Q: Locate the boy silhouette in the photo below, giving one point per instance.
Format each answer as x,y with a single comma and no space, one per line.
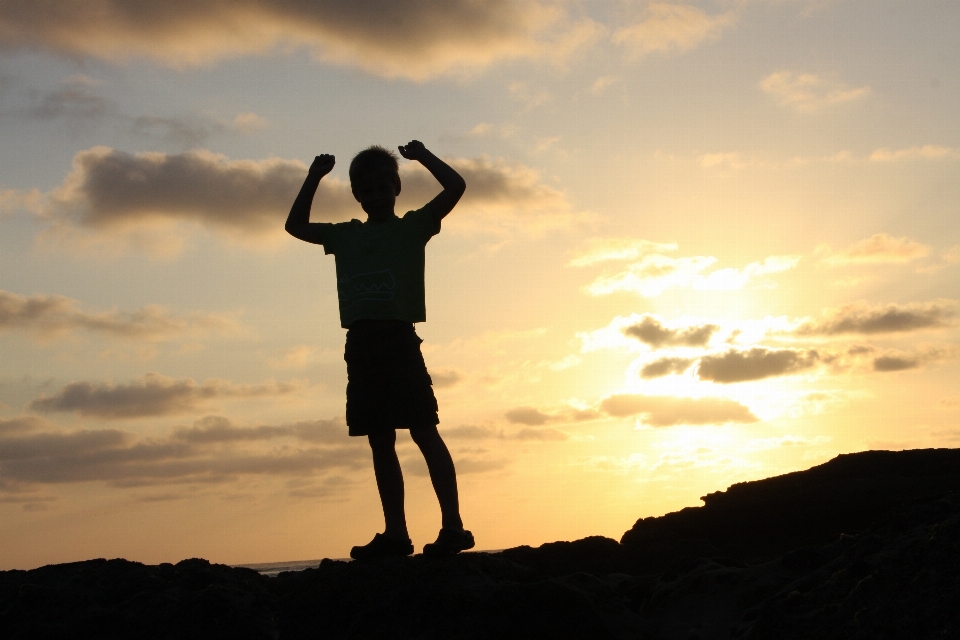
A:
380,288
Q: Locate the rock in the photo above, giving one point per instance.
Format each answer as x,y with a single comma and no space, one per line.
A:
755,521
121,599
864,546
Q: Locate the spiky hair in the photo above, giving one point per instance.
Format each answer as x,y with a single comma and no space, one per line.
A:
371,159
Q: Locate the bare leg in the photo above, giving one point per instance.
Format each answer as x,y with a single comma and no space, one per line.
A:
386,467
442,474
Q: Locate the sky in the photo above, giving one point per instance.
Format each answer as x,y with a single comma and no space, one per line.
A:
702,243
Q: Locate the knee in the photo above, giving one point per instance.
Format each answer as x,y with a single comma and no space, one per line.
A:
425,435
385,441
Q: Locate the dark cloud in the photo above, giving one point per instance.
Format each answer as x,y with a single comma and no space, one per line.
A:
152,395
74,101
528,416
21,424
892,318
51,315
666,411
124,459
895,363
651,331
77,443
665,366
415,38
114,192
217,429
754,364
110,188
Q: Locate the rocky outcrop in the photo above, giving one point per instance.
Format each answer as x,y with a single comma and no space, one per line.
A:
753,521
864,546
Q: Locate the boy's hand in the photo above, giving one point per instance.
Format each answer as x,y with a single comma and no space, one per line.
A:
322,165
414,150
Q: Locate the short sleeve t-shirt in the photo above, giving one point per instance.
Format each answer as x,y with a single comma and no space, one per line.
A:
380,266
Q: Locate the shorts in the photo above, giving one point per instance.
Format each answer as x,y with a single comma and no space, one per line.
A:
388,386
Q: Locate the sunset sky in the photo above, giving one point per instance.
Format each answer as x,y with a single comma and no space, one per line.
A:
701,243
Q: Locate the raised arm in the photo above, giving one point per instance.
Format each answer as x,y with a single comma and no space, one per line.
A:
453,185
298,222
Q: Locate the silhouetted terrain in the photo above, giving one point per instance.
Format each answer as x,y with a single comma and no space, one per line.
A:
864,546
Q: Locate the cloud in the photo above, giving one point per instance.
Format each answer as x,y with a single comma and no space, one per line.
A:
665,366
501,196
860,318
542,435
113,191
471,432
901,361
654,273
808,92
124,459
666,411
600,84
528,416
926,152
895,363
152,395
116,199
879,248
218,429
414,39
533,417
51,315
12,200
672,27
445,378
731,160
74,99
611,249
754,364
651,331
645,332
21,424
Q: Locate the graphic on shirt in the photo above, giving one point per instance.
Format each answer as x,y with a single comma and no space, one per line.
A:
376,285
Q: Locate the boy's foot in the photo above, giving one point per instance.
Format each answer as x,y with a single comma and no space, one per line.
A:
449,542
381,547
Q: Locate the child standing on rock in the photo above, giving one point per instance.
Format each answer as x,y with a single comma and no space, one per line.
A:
380,265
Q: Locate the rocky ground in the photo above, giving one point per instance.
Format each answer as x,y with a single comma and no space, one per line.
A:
864,546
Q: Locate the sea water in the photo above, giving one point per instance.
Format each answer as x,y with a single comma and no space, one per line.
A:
271,569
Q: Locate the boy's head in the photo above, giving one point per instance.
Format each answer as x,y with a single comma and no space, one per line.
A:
375,180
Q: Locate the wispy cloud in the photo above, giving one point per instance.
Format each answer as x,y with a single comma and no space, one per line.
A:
666,411
861,318
618,249
879,248
652,272
416,39
152,395
926,152
809,92
49,316
668,26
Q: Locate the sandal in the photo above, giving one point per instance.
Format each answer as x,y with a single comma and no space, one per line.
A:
449,542
381,547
